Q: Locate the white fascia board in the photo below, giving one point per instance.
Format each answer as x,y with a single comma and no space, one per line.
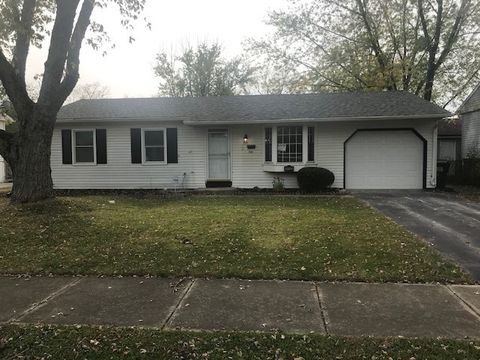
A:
186,121
312,120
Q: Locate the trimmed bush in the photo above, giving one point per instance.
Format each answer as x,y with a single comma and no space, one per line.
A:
313,179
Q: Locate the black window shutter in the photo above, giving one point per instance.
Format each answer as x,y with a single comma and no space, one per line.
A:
172,146
136,145
101,140
311,144
66,146
268,144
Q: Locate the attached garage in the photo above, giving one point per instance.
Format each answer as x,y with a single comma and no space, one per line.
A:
385,159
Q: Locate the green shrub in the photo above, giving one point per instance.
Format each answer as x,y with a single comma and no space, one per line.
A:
312,179
278,185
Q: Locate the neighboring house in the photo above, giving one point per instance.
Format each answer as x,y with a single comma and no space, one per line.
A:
369,140
449,139
469,112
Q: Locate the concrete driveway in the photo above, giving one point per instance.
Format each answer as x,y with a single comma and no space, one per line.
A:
450,223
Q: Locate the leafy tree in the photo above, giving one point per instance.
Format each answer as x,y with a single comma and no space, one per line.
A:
202,72
25,22
430,48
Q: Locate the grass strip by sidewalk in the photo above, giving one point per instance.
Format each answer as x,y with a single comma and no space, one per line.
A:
51,342
299,238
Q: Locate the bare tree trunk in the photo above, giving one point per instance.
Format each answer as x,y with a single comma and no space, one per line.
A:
429,80
32,179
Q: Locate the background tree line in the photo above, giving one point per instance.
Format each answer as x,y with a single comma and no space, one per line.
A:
430,48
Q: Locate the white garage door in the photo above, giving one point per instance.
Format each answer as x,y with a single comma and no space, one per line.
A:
384,160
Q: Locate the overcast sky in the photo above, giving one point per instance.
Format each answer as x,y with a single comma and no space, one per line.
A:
127,69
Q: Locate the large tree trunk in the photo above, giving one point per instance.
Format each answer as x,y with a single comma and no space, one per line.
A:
32,180
429,79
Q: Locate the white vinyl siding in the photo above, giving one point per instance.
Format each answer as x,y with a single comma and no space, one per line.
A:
247,165
120,173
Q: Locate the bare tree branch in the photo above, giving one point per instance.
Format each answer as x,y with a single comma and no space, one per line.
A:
73,59
421,13
57,54
374,42
24,34
15,88
453,36
341,5
461,89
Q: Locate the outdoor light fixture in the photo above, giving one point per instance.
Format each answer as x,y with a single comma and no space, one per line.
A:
245,139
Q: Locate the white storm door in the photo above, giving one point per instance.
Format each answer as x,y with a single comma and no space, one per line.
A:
218,155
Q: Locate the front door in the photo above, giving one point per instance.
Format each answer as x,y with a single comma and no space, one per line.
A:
218,155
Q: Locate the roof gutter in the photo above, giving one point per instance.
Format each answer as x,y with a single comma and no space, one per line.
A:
118,119
302,120
468,112
186,121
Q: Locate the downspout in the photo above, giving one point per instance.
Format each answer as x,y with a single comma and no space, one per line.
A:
433,178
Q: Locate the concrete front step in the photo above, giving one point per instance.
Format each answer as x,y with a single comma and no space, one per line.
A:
358,309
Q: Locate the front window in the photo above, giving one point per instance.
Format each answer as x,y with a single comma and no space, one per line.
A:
84,146
447,150
289,144
154,145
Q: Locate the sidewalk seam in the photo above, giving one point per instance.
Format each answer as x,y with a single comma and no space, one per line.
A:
465,303
180,300
37,305
323,311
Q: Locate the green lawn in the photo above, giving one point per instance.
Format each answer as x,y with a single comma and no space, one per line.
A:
326,238
114,343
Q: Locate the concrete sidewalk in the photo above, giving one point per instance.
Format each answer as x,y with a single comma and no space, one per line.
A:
289,306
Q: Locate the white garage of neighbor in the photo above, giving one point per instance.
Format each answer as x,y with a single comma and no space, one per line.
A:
385,159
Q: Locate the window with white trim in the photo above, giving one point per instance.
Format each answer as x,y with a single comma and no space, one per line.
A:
154,148
84,146
289,144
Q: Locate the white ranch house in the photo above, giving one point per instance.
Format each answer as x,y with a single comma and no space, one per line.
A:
369,140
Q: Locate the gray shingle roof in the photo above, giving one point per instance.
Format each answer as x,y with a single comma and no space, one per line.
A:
255,107
449,127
